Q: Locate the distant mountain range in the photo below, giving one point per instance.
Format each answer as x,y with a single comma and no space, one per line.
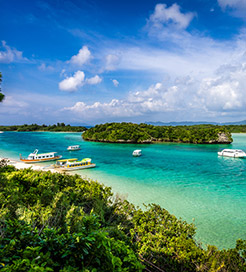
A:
190,123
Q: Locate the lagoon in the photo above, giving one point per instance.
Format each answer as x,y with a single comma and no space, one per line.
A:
188,180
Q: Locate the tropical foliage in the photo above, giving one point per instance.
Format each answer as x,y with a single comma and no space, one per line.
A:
57,222
143,133
1,94
236,128
35,127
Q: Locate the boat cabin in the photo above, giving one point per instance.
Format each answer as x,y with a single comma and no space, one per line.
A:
73,147
36,156
137,153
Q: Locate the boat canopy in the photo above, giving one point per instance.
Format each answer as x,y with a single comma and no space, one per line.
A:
68,160
86,160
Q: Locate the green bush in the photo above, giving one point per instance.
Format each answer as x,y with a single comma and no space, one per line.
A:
57,222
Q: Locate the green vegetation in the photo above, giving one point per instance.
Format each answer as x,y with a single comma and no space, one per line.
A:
57,222
35,127
1,94
143,133
236,128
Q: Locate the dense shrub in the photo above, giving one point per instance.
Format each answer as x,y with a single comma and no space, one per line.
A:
57,222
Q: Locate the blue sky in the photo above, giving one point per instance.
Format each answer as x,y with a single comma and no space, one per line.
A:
99,61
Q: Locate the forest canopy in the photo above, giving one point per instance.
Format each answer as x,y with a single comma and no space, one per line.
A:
35,127
144,133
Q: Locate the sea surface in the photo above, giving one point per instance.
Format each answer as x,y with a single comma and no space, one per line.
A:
188,180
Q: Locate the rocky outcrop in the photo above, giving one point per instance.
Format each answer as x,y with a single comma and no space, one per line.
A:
223,138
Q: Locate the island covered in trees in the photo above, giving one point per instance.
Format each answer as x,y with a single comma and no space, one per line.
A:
144,133
35,127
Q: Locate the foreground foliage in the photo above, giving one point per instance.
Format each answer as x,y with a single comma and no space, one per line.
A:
56,222
1,94
143,133
35,127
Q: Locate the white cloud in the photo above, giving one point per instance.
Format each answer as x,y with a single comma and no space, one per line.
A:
238,7
115,82
82,57
9,54
94,80
218,95
170,16
44,67
12,102
227,91
111,62
72,83
78,80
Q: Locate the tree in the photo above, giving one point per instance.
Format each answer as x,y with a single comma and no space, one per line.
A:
1,95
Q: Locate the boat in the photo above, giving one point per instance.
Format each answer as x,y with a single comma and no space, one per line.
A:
74,164
35,157
73,148
233,153
137,153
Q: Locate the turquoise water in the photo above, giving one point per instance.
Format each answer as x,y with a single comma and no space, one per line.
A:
190,181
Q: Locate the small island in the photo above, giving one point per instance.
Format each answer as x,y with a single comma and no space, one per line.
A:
144,133
59,127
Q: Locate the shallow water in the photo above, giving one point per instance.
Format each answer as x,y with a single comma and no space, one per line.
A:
188,180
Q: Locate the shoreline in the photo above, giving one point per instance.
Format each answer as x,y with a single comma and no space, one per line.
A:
21,165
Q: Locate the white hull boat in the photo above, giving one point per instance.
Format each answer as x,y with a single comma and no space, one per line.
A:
233,153
73,148
137,153
35,157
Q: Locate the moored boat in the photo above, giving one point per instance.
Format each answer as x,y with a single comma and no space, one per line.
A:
74,164
137,153
35,157
73,148
233,153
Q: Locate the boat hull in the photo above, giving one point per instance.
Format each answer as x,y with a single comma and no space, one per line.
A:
41,160
92,165
231,155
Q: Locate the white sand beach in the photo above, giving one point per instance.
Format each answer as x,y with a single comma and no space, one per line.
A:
22,165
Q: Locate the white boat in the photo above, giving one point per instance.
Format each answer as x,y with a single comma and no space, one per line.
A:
73,148
233,153
1,131
35,157
137,153
74,164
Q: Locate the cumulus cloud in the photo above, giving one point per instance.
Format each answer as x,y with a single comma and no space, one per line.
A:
94,80
78,80
82,57
8,54
72,83
170,16
238,7
222,94
115,82
227,91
